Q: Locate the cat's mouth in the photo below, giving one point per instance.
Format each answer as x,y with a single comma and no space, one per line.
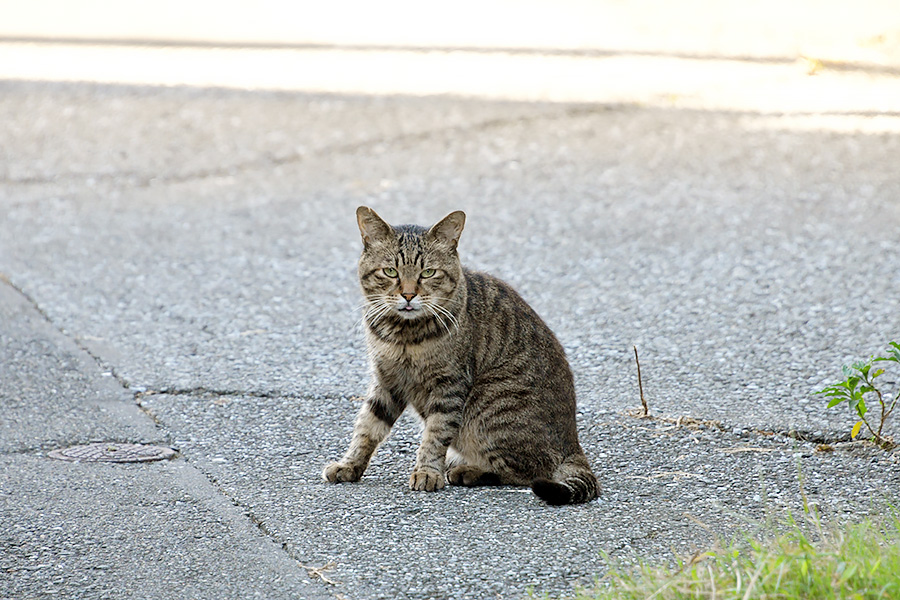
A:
409,311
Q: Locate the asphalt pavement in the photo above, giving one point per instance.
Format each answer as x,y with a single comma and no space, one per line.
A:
177,268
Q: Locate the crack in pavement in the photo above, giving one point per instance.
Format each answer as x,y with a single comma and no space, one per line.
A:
801,435
103,365
245,508
201,391
138,179
267,526
41,449
695,424
816,437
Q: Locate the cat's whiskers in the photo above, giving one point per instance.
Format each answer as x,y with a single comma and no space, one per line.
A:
368,300
379,311
441,314
366,306
447,313
376,309
437,317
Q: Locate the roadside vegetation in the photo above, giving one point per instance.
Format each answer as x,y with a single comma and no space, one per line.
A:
793,560
854,562
860,390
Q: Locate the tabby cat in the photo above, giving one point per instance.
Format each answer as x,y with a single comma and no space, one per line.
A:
483,371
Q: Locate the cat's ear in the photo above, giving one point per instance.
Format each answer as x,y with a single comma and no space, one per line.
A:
449,228
372,228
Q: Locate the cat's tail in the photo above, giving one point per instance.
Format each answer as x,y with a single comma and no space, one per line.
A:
572,483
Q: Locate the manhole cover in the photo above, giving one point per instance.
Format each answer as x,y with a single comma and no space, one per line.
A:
113,452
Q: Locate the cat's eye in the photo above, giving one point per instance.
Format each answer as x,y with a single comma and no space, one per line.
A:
389,271
427,273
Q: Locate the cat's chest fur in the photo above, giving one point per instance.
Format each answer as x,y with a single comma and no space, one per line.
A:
410,371
406,355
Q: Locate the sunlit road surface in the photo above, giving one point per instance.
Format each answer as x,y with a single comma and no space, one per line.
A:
825,65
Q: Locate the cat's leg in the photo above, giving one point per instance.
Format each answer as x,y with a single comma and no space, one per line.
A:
470,476
461,470
378,414
440,429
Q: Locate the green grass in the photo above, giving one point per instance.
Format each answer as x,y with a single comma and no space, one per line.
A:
854,562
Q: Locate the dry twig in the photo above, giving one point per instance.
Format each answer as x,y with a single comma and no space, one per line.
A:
738,449
319,572
641,384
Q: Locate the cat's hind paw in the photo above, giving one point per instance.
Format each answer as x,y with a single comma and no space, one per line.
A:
471,476
429,480
338,472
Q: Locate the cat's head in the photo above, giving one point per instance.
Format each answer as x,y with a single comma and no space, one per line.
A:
409,272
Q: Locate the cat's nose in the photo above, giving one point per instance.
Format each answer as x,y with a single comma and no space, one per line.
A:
408,296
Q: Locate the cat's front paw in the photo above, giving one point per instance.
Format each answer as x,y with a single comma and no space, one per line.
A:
338,472
429,480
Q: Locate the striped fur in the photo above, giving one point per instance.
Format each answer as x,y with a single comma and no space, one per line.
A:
479,366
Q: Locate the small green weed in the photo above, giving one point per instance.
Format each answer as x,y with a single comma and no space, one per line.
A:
859,382
858,562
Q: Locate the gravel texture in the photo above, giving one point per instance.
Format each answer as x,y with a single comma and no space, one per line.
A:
98,530
745,261
53,392
194,251
78,530
666,488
